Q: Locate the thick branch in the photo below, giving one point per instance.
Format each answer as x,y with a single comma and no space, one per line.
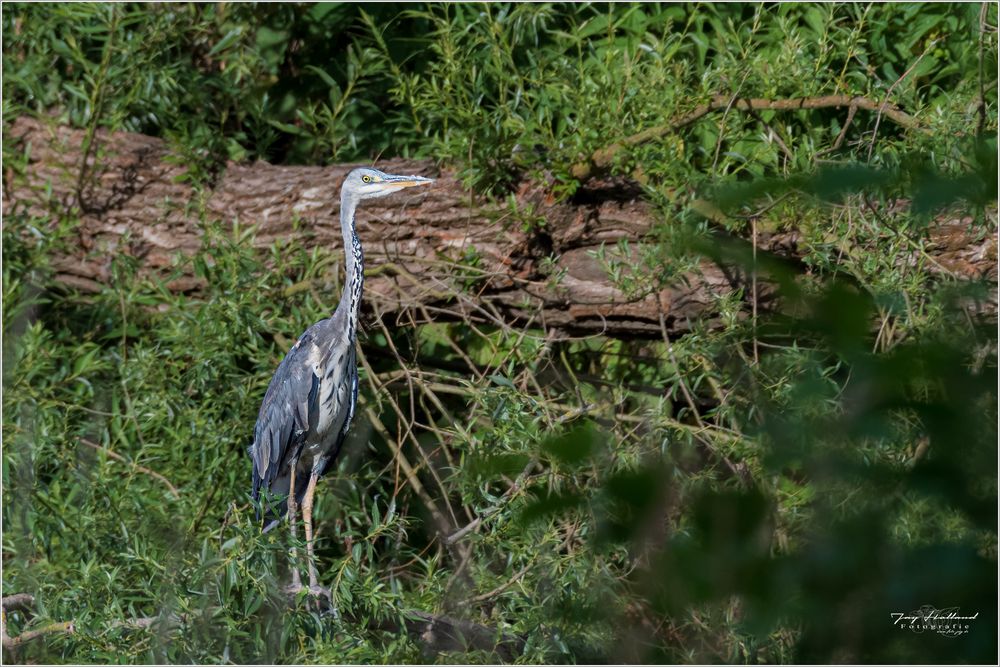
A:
18,601
22,601
65,627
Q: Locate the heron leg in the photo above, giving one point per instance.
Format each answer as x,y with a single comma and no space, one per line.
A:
296,580
307,512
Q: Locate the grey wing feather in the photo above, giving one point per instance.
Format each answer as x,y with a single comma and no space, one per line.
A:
286,415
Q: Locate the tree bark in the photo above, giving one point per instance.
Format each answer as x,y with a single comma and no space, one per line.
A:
131,197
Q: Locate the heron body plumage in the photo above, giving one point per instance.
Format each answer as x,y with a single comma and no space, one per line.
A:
307,410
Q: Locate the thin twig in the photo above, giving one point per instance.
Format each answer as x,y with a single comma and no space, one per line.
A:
96,106
499,589
680,379
789,156
753,292
444,526
144,622
485,514
888,94
725,115
981,125
140,468
851,110
411,422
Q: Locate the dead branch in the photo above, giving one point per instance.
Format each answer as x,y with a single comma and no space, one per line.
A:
66,627
603,158
23,601
18,601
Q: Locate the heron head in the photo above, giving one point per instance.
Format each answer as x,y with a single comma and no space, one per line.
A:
367,183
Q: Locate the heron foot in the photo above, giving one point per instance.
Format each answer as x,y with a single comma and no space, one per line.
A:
320,598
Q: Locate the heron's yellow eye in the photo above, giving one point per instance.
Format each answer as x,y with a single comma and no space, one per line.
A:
366,178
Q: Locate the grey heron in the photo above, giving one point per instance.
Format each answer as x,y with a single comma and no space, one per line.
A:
307,409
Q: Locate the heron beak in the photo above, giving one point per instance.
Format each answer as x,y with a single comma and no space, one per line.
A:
400,182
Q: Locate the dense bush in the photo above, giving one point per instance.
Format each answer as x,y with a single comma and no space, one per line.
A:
769,491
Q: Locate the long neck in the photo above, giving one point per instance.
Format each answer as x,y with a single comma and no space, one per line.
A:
354,281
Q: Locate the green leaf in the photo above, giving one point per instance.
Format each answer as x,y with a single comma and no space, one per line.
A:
501,381
285,127
228,40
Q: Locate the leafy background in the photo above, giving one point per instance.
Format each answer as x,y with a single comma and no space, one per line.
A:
766,492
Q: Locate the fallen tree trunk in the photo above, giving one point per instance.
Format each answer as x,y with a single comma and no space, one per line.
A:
423,250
